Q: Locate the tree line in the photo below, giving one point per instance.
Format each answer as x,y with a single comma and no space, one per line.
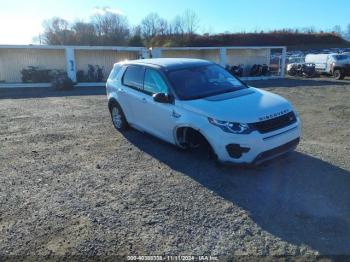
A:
110,28
113,29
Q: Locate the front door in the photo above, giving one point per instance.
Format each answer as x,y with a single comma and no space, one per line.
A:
157,118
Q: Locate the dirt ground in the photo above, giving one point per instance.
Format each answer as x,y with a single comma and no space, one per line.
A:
72,185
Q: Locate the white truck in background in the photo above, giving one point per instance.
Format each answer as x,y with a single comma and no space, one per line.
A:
337,65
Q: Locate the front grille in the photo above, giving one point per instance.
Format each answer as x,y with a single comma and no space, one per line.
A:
277,151
275,123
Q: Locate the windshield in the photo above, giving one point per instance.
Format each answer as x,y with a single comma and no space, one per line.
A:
203,81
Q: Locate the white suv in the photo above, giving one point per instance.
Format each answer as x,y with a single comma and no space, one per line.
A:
191,102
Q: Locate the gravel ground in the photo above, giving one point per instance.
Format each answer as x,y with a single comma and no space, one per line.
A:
72,185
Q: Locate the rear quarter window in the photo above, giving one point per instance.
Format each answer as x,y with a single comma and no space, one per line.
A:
133,77
114,73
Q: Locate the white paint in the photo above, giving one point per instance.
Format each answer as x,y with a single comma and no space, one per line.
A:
70,64
283,65
223,57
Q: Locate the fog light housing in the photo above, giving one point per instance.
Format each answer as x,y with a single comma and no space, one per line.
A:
236,151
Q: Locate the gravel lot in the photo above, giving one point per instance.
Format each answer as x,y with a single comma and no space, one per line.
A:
72,185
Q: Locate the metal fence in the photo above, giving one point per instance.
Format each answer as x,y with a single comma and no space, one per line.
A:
244,56
71,59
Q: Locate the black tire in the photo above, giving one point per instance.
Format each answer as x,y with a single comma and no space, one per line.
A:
338,74
118,117
292,72
309,75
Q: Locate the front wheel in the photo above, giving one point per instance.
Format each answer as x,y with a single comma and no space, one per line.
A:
118,117
338,74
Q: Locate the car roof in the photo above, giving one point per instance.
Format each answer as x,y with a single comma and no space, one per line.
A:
170,63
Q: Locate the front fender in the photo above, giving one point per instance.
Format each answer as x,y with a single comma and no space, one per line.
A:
196,122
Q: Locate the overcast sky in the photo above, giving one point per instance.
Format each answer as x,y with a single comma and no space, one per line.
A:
20,21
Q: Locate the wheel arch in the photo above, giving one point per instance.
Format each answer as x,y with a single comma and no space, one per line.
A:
341,69
112,101
178,129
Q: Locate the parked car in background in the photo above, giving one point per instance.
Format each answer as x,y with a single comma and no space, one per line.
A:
337,65
195,103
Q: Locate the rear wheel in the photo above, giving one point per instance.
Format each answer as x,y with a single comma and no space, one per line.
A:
118,117
338,74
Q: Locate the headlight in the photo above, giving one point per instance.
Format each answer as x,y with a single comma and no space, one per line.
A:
231,127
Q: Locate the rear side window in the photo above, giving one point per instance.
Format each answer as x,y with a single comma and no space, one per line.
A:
133,77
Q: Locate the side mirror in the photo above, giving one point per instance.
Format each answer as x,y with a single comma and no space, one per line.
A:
161,98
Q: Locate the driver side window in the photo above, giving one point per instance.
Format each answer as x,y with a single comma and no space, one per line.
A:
154,83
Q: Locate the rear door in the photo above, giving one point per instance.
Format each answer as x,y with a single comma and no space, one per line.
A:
132,88
115,90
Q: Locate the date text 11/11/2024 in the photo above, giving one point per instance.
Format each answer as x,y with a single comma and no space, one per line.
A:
172,258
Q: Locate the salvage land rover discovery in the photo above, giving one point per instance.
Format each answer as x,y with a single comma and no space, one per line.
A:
188,102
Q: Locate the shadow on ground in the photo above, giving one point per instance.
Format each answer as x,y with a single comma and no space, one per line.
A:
298,198
40,92
299,82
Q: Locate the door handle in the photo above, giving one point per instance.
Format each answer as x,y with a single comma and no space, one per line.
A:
121,90
143,100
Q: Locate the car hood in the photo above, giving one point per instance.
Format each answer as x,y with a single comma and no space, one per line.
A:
245,106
